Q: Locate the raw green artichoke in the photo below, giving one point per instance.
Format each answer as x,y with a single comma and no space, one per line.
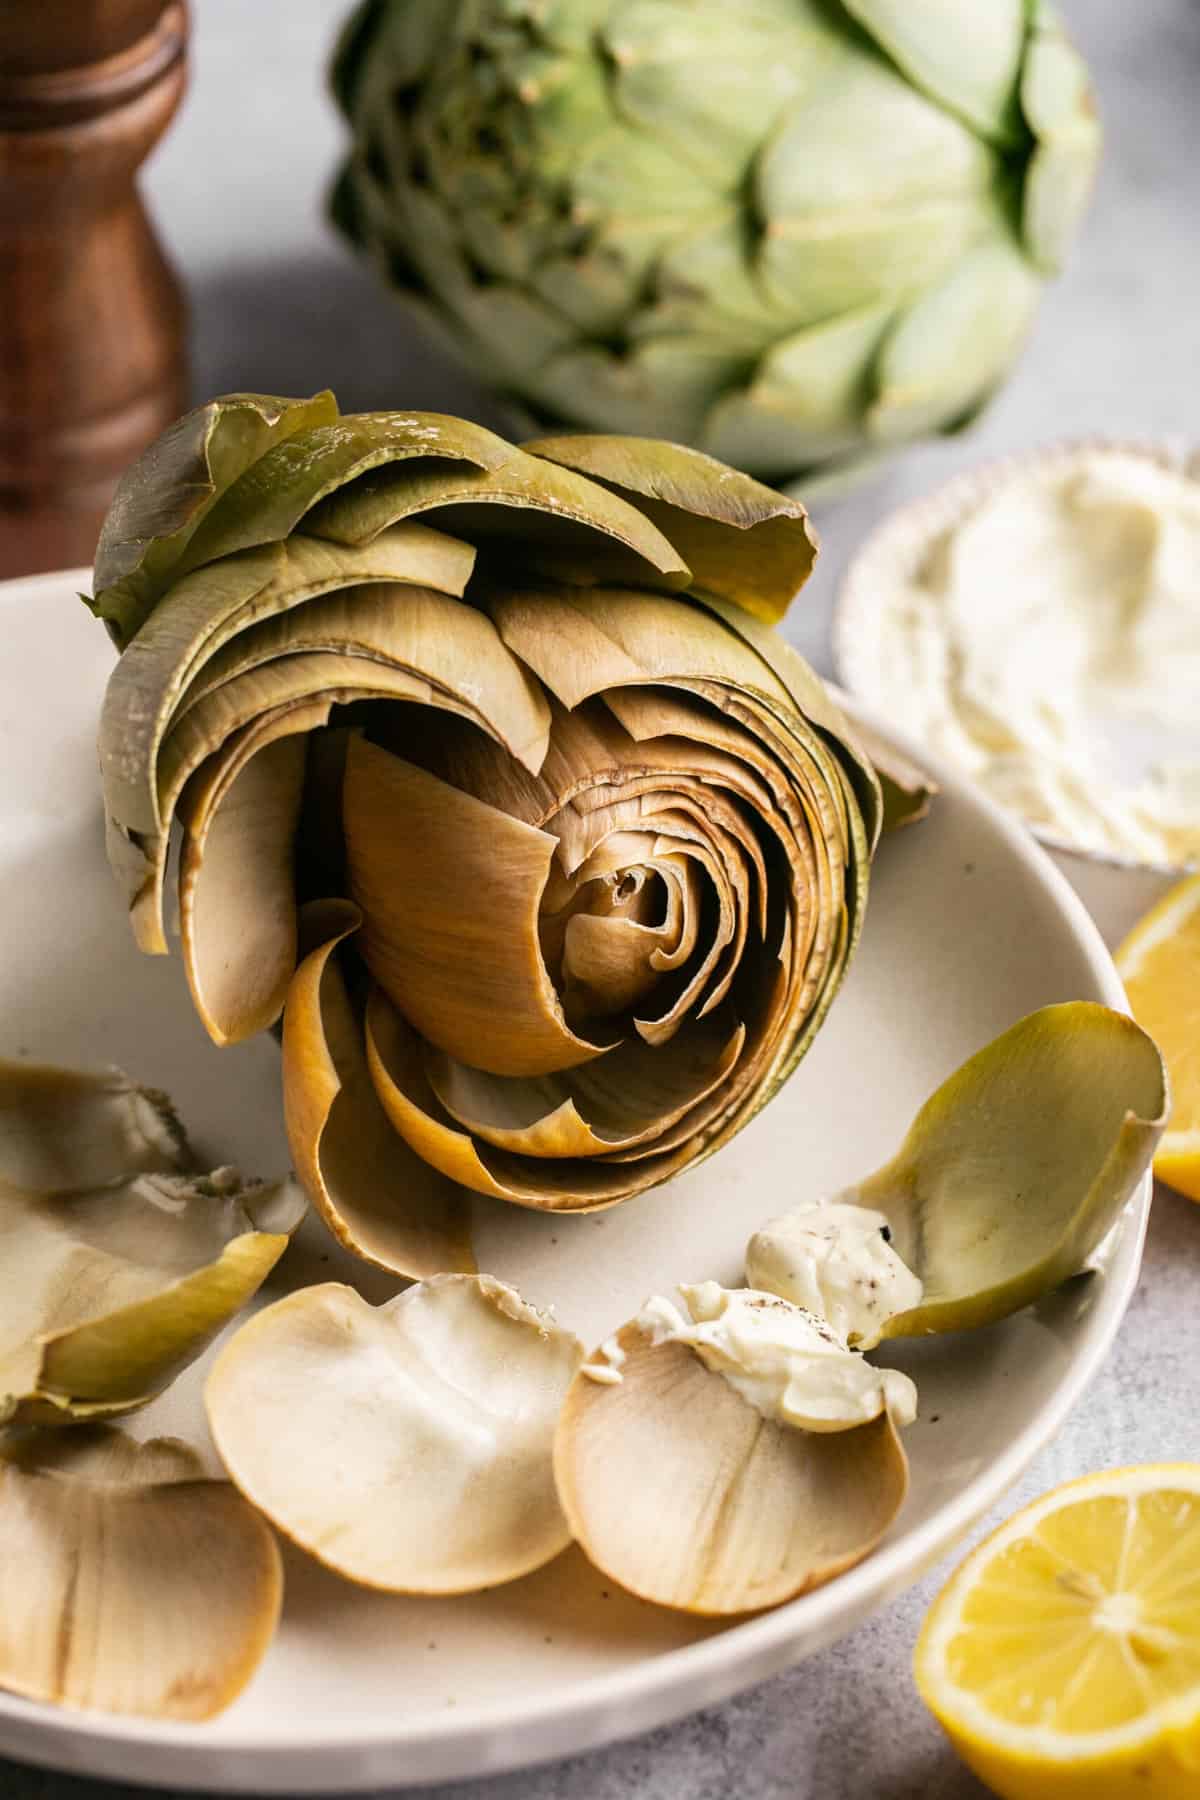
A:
790,232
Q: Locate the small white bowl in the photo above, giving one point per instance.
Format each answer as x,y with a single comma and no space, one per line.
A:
1116,890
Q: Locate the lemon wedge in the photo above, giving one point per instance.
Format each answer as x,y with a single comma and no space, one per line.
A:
1062,1658
1159,962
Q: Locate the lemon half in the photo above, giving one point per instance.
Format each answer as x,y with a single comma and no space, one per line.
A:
1159,962
1062,1658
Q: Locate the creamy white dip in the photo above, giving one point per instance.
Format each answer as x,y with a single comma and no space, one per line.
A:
837,1261
789,1364
1049,645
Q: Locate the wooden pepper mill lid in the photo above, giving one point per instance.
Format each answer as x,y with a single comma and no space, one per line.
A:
92,363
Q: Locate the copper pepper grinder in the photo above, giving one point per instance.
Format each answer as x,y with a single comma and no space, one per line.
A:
92,362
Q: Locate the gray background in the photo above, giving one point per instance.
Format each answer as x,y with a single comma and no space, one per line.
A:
238,189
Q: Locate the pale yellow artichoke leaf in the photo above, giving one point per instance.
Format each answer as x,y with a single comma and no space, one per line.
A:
237,900
132,1584
741,540
450,890
1018,1165
418,630
387,1205
67,1131
968,62
576,1184
678,1489
197,618
626,1098
111,1293
165,495
434,1415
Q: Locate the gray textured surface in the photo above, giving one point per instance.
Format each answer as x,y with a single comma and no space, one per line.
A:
277,306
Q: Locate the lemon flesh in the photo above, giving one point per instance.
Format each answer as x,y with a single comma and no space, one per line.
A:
1159,962
1063,1657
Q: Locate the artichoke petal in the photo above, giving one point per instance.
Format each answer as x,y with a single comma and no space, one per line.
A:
968,62
121,1268
1057,100
162,500
1016,1168
677,1488
377,1198
700,504
132,1584
459,1373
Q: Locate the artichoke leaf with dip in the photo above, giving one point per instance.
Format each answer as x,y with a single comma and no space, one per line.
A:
434,1415
730,1456
591,843
120,1266
1009,1177
132,1583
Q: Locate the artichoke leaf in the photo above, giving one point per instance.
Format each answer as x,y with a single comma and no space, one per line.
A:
376,1197
908,792
113,1291
237,905
1019,1164
741,540
69,1131
548,507
132,1584
1057,100
677,1488
162,500
969,63
199,616
626,1098
451,889
459,1372
569,1184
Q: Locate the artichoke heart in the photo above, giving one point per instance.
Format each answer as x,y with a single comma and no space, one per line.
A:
495,782
121,1267
790,233
1009,1177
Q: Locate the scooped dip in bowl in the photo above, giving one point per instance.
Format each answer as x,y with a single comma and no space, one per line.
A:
1036,622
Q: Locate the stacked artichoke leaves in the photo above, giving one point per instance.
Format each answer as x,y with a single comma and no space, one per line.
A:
794,233
493,781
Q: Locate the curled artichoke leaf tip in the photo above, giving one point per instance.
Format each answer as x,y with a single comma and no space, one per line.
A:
678,1488
132,1584
460,1371
122,1265
591,843
1018,1166
794,241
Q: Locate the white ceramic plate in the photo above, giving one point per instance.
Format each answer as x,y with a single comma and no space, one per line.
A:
969,927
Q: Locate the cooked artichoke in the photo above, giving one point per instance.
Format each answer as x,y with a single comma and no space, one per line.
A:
793,233
119,1267
585,846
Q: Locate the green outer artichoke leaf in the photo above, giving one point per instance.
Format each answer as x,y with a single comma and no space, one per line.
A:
954,344
741,540
1059,105
163,498
204,610
119,1289
908,792
1019,1164
966,58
